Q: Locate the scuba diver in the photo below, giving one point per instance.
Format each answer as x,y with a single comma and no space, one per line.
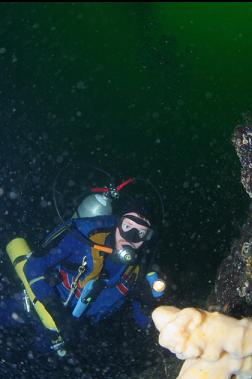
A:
97,261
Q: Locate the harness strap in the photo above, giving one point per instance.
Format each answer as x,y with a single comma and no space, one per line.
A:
35,280
63,228
65,265
74,284
19,259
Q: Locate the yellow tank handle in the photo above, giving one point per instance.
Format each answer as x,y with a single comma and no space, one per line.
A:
18,252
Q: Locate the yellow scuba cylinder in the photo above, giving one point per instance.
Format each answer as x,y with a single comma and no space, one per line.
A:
18,252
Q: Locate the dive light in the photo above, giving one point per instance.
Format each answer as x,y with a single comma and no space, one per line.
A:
157,285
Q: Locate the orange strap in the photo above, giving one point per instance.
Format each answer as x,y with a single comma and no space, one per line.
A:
106,249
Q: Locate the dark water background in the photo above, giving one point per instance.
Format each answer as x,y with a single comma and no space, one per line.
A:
152,90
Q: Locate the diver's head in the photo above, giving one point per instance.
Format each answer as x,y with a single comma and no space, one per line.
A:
131,233
134,225
132,230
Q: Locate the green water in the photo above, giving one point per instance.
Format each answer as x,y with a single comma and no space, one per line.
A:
154,89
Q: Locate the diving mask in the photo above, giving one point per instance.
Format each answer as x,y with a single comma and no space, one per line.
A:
137,231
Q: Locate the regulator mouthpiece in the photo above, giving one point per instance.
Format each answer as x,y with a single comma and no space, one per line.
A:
126,254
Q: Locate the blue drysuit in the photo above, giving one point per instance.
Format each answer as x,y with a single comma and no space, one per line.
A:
66,258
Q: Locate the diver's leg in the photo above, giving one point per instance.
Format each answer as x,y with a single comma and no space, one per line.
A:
13,315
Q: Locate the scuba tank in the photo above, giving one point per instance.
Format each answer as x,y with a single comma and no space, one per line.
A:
100,202
18,251
94,205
